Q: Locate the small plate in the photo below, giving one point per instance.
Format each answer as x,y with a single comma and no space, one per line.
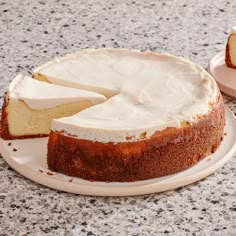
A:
28,157
224,76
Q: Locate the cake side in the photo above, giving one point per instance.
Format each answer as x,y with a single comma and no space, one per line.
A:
166,152
5,132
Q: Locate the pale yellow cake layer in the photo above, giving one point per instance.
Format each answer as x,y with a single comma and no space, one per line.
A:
232,49
22,120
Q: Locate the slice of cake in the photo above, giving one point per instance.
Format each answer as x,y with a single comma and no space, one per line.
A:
230,51
164,115
30,106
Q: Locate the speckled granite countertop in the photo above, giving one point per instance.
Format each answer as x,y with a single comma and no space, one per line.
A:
32,32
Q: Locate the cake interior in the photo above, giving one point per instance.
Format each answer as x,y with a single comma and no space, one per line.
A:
30,122
232,49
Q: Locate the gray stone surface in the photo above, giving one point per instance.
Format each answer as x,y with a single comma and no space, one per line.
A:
32,32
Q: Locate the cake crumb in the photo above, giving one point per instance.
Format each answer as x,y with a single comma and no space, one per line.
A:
213,149
143,135
129,137
225,133
14,150
41,171
49,173
9,144
71,180
209,158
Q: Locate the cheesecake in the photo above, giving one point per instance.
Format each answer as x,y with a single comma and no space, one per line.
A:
146,114
163,115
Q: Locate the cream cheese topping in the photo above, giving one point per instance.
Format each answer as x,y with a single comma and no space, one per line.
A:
151,91
40,95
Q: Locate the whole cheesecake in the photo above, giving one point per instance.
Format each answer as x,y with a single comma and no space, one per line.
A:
163,114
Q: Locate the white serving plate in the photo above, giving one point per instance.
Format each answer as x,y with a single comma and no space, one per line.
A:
28,157
224,76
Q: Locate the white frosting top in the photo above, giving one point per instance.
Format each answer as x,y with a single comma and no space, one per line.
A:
40,95
151,92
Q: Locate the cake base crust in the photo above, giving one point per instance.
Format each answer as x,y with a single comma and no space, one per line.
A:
166,152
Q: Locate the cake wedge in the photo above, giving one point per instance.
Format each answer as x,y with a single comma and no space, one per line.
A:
230,51
31,105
